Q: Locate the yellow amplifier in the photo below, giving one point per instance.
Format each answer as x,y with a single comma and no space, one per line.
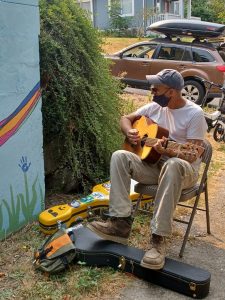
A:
79,209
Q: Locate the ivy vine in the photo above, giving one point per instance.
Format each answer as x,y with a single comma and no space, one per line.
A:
81,106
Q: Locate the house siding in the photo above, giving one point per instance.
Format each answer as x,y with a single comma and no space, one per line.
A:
138,11
101,18
137,19
100,14
23,2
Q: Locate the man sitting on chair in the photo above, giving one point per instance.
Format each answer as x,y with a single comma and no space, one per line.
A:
173,172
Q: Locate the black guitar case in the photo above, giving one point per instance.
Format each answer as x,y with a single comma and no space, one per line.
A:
177,276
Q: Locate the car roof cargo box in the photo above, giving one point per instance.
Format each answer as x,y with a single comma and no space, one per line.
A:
193,28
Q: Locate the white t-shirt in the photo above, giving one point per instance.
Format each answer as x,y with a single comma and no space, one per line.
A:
187,122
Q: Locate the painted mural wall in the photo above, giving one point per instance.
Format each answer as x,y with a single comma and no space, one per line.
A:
21,152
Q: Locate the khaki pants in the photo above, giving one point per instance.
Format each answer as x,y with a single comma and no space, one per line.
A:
172,176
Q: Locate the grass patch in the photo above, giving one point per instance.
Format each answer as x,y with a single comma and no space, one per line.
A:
130,102
221,148
127,106
7,293
215,166
140,234
112,45
19,280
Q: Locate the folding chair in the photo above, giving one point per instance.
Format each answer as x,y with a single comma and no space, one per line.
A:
187,194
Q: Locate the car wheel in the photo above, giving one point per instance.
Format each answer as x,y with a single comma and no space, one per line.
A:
218,133
193,91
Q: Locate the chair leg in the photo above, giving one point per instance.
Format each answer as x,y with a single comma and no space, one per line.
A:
207,209
189,226
134,213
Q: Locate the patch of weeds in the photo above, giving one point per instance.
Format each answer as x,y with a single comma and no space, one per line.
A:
215,166
61,277
140,231
141,219
221,148
35,228
88,278
6,294
127,106
17,275
45,290
30,237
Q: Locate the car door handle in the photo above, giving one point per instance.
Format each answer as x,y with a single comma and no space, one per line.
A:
145,64
182,66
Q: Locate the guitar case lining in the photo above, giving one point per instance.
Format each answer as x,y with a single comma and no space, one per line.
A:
175,275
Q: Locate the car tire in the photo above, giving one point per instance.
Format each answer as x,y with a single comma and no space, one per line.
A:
218,133
193,91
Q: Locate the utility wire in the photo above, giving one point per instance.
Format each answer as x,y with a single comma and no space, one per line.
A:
13,2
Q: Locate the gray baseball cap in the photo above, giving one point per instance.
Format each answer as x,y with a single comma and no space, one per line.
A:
169,77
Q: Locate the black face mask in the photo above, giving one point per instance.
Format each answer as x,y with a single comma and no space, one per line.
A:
162,100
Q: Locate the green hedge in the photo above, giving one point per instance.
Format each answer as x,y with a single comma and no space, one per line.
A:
81,106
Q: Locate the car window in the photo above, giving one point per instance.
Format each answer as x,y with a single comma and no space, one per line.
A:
187,55
201,55
222,54
141,51
171,53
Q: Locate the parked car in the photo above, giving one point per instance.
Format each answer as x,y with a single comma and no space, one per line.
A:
194,60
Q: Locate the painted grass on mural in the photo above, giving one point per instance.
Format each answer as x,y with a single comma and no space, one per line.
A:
24,203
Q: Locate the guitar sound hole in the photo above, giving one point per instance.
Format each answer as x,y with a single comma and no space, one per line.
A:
143,140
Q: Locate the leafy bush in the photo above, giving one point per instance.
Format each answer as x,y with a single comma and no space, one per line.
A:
118,23
218,7
203,10
80,98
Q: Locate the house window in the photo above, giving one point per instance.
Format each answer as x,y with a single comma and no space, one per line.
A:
176,7
127,7
87,5
158,6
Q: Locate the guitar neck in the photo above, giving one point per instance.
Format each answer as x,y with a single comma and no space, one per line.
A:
150,142
188,147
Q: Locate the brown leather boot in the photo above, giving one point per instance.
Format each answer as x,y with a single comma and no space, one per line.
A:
154,258
114,229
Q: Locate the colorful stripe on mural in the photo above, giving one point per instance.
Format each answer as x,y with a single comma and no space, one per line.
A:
10,125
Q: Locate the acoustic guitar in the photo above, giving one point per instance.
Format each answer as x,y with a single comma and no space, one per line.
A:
149,133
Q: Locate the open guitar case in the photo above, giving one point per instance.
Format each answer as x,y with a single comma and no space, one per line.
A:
175,275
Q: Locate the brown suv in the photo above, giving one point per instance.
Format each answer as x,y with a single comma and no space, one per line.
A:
194,60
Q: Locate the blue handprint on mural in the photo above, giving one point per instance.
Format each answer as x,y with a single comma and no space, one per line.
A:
24,165
26,201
